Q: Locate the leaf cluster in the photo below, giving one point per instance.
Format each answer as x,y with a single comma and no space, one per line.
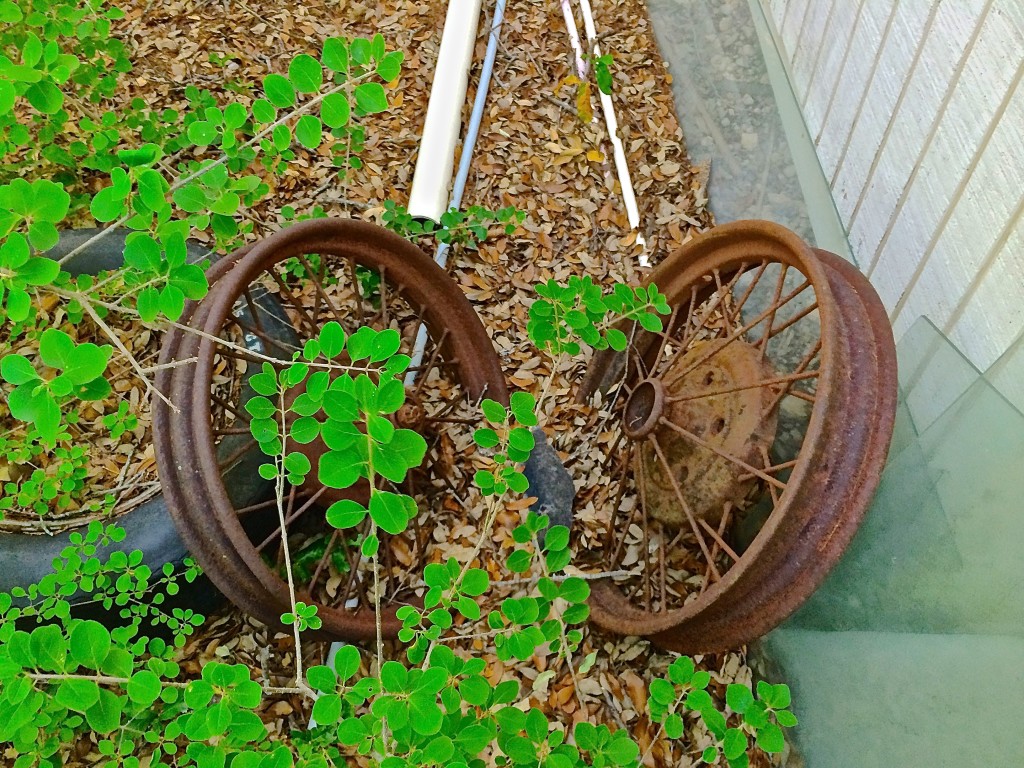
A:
582,312
466,228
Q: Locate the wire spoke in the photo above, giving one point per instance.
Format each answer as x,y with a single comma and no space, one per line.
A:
238,453
320,292
774,308
291,516
742,301
725,455
802,376
682,500
293,301
739,333
775,331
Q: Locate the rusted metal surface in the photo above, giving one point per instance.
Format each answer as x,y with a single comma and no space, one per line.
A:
226,539
705,454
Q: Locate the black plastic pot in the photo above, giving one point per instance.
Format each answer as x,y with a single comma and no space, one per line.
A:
26,558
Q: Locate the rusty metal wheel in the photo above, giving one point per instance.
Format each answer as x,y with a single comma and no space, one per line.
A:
355,274
744,441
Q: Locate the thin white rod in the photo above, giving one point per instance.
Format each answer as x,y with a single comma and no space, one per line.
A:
621,165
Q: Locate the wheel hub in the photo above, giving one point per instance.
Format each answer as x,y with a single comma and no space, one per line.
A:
710,402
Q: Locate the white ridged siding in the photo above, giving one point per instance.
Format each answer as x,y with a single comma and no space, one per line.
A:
917,114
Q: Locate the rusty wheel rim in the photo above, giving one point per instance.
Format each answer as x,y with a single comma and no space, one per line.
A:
458,353
712,284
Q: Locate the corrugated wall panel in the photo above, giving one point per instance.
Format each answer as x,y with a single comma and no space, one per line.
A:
917,114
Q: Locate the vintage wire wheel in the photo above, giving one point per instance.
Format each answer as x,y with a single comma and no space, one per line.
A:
365,276
745,440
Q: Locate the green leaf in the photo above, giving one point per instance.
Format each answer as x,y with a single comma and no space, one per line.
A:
346,662
486,437
557,538
391,511
386,343
45,97
49,648
322,678
405,451
673,726
616,339
90,643
305,430
662,691
332,340
475,582
309,131
10,13
279,91
305,74
371,98
144,687
108,204
86,362
426,716
389,67
335,110
43,235
335,54
786,718
770,738
202,133
681,670
778,697
282,137
494,411
172,302
142,252
191,280
105,715
8,95
327,709
55,348
739,698
77,694
622,750
16,369
337,469
263,111
191,198
714,720
360,50
226,204
148,304
38,408
519,561
734,744
390,396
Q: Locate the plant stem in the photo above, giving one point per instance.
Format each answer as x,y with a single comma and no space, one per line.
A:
661,730
87,306
219,161
279,491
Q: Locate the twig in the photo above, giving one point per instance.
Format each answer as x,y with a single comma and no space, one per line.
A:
87,306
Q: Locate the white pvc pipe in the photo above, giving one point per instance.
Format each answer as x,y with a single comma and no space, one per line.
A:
574,40
621,166
468,145
428,197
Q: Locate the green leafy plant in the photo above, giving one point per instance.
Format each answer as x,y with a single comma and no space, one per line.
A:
432,707
466,228
164,176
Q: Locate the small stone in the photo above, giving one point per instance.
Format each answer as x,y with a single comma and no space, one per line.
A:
748,141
